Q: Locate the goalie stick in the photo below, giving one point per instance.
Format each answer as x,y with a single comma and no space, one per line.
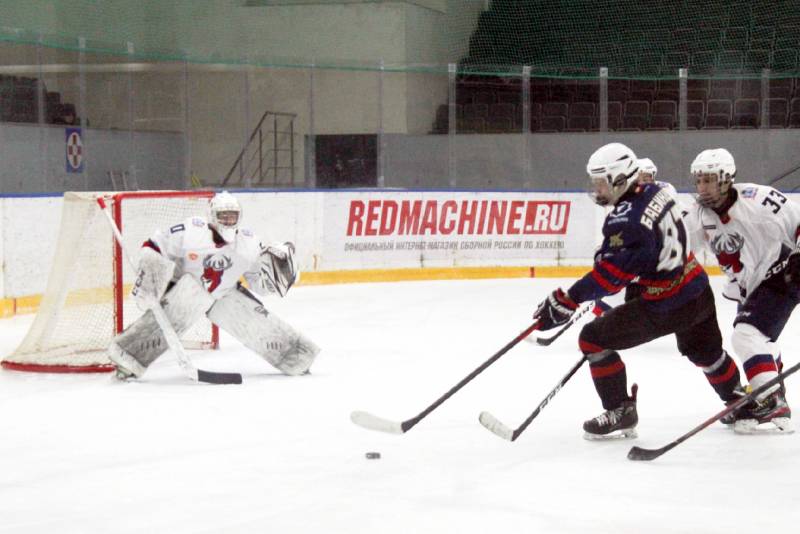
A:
497,427
373,422
642,454
174,343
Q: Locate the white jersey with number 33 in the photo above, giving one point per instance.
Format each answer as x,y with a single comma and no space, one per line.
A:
750,239
217,267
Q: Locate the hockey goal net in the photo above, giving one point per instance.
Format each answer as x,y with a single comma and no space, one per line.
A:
86,302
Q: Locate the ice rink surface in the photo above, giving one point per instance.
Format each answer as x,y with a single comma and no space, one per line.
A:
88,454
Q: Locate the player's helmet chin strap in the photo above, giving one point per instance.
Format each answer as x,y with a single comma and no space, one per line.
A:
621,184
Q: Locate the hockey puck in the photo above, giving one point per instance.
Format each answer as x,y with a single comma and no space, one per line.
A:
373,456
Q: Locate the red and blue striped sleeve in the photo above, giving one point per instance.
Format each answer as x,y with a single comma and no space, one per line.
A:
610,274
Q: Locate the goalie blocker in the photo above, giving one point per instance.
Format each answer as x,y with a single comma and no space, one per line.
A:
238,312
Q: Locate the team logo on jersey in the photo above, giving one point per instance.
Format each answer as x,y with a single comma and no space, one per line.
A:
750,192
615,240
728,248
621,210
196,221
213,267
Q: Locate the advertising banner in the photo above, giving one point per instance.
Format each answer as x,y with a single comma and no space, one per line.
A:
419,229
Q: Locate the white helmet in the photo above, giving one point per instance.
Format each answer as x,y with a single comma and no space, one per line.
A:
647,167
719,162
225,214
611,169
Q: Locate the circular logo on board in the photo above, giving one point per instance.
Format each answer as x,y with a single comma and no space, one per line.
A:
74,150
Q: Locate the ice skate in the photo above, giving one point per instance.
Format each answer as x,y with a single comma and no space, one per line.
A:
730,419
770,415
619,423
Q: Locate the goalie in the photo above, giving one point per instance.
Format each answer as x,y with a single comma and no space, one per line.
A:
194,269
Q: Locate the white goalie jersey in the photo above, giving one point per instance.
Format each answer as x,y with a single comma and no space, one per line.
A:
751,240
217,265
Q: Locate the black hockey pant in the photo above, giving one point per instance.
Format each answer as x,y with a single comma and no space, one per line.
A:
635,323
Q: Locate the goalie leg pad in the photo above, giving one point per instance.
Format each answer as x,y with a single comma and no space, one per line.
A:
138,346
143,342
185,303
263,332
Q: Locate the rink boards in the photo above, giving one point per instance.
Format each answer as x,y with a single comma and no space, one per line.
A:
352,236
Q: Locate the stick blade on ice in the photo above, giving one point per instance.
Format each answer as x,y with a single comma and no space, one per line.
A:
496,426
645,455
373,422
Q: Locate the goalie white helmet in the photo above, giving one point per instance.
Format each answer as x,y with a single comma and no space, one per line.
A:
713,171
647,171
611,170
225,214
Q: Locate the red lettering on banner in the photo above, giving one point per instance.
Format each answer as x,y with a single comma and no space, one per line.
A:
497,217
409,218
514,216
542,217
482,218
373,208
388,217
354,223
468,217
446,224
559,225
429,218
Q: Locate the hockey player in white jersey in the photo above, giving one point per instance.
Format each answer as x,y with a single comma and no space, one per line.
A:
194,269
753,230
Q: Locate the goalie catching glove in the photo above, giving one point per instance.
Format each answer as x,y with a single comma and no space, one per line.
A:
555,310
278,269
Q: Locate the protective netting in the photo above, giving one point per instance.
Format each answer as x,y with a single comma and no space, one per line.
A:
633,38
294,93
77,318
630,37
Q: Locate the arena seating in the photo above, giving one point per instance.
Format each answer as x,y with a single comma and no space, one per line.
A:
725,47
19,102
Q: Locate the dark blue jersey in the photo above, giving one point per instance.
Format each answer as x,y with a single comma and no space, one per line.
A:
644,241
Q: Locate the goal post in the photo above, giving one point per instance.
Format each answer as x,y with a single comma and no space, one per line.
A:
87,298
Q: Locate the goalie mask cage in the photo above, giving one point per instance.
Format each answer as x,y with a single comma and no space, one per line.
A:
87,300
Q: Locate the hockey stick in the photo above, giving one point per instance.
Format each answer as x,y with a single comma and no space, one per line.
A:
641,454
497,427
373,422
173,342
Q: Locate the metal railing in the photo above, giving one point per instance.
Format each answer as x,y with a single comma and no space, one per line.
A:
267,158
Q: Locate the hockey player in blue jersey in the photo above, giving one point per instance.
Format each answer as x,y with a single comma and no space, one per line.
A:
644,241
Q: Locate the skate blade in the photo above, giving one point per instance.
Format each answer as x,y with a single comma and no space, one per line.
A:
628,433
778,425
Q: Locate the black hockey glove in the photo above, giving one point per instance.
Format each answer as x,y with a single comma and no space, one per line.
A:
792,271
555,310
